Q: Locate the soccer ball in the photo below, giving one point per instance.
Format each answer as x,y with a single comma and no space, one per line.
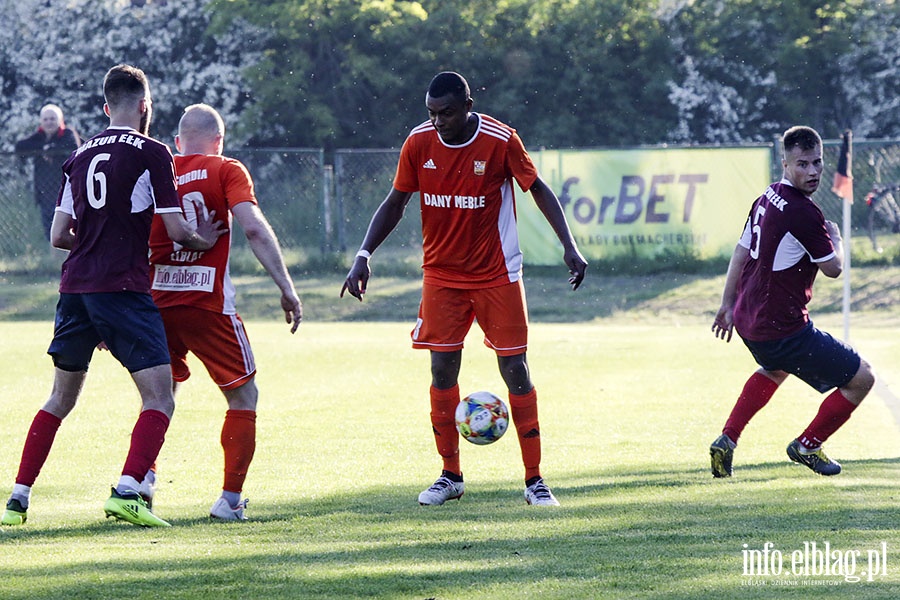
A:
482,418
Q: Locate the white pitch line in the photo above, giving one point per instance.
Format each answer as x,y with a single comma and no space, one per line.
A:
892,401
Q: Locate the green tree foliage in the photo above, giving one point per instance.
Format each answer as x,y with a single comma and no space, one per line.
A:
327,68
591,73
350,74
751,68
870,72
566,73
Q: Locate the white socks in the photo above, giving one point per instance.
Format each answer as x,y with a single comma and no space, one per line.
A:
22,493
128,484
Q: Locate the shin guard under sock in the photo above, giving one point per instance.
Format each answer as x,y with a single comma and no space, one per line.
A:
147,439
37,446
524,412
443,424
756,394
238,443
834,412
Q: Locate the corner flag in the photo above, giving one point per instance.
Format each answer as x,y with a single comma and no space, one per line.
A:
843,187
843,177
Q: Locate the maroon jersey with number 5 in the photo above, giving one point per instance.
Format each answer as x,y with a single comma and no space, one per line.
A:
786,236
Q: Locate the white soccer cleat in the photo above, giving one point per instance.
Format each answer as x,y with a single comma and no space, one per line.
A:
222,510
442,490
538,494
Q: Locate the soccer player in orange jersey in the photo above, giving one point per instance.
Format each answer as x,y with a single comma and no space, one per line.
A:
196,297
464,165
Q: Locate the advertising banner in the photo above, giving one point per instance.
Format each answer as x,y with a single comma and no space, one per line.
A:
646,203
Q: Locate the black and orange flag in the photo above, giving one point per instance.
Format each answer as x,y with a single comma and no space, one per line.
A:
843,176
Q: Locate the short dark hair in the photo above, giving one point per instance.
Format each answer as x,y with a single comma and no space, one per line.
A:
806,138
451,83
124,83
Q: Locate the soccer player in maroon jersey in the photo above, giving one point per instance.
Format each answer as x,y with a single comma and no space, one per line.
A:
785,243
114,183
196,296
464,166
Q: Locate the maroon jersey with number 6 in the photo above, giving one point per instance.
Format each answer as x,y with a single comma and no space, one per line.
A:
113,185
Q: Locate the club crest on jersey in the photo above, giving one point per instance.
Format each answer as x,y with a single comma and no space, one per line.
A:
480,166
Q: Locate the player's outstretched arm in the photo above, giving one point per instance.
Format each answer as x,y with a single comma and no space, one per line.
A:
549,205
385,219
267,250
723,325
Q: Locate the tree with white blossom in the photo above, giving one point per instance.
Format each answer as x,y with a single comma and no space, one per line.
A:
59,51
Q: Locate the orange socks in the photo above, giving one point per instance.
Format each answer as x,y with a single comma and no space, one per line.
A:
443,423
525,417
239,443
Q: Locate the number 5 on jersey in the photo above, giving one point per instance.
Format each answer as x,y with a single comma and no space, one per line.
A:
757,231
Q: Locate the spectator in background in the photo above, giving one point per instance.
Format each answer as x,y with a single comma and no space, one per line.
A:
50,145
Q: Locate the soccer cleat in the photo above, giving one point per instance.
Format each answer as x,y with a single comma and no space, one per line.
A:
538,494
442,490
720,456
132,508
222,510
817,460
14,513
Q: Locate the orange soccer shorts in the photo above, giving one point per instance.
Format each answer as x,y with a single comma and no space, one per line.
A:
218,340
446,315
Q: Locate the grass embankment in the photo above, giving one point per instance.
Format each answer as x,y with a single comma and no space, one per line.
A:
875,292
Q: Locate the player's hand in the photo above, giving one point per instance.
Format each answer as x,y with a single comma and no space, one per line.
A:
577,267
723,326
208,228
834,231
293,310
102,346
357,278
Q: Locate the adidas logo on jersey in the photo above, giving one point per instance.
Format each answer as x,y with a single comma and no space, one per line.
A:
429,164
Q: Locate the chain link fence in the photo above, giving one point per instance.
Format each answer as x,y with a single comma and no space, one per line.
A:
290,186
23,246
320,212
362,180
876,177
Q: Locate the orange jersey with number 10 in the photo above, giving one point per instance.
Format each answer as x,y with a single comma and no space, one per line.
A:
184,277
467,202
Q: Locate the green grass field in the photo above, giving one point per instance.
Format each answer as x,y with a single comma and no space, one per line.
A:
628,409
